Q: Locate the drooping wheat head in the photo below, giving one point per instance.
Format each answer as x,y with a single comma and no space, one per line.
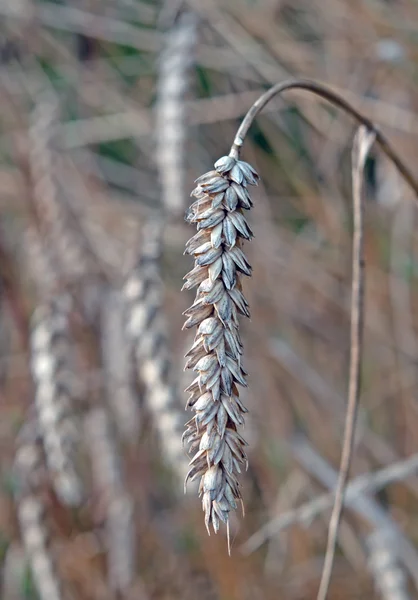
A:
221,196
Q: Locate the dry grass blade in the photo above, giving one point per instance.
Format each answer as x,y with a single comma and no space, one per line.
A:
304,514
361,148
216,355
365,506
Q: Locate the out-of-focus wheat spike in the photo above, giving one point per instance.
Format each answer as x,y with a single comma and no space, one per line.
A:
55,392
390,579
31,516
146,328
175,62
66,243
108,479
118,367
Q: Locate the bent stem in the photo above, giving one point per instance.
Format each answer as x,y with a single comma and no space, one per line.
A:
327,94
367,135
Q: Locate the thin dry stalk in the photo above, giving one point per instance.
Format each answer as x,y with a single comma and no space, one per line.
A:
118,504
334,98
361,148
55,393
216,355
175,63
120,394
147,331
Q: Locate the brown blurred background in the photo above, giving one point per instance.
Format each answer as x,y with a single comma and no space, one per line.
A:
109,109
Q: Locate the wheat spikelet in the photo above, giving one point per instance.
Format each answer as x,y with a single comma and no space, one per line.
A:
107,474
54,396
175,63
70,253
146,329
31,514
221,195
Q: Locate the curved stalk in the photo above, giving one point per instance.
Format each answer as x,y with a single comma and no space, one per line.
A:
327,94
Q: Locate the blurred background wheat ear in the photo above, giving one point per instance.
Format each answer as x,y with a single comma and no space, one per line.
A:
109,110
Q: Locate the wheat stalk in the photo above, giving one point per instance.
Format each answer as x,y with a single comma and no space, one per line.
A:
116,360
221,196
40,266
108,479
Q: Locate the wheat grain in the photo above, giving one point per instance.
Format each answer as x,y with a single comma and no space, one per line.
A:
221,196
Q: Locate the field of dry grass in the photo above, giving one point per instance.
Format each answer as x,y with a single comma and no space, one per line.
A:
109,110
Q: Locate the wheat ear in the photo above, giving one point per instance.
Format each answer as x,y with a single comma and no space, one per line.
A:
146,329
52,373
221,196
68,246
175,63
